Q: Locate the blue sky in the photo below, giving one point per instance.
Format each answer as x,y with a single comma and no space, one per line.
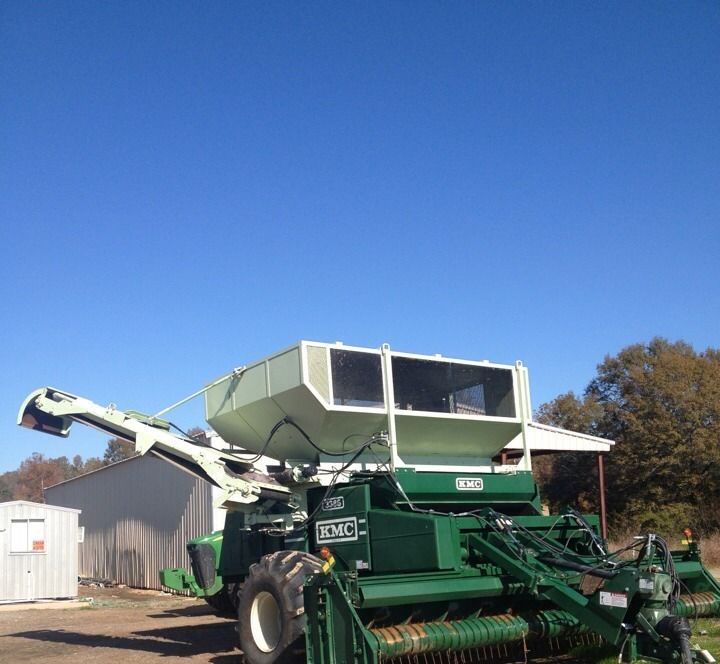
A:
185,187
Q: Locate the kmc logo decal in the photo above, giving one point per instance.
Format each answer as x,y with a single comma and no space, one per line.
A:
468,483
336,530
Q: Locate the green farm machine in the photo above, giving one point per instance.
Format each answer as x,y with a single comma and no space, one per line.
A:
386,530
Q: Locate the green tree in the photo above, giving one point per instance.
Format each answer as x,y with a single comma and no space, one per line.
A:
38,472
570,478
660,402
80,467
117,450
8,482
92,463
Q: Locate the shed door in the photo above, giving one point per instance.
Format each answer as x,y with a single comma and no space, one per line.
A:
25,559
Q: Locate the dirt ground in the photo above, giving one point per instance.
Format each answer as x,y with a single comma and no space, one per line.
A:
122,626
119,625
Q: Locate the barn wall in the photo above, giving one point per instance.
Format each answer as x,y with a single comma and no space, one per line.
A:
138,515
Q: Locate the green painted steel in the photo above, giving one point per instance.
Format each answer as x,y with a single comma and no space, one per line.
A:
404,542
698,605
473,632
508,493
201,582
379,591
426,569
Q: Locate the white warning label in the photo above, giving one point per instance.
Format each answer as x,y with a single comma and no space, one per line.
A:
647,585
618,600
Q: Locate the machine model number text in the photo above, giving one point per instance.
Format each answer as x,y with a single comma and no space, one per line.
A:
330,504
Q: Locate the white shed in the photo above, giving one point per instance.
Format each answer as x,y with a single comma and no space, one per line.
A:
38,551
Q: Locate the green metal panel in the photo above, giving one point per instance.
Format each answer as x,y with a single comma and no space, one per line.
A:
342,525
242,546
429,438
501,491
284,371
254,386
218,399
384,590
413,542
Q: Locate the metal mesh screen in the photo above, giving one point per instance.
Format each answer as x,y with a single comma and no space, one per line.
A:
318,370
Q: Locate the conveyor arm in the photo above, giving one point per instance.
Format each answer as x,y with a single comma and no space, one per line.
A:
53,411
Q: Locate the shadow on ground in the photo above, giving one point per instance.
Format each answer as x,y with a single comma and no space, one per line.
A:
184,641
194,610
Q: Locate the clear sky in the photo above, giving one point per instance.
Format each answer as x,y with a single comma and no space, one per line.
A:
186,187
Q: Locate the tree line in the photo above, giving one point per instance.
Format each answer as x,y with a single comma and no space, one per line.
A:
38,472
660,403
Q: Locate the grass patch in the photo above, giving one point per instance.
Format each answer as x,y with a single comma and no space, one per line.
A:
706,634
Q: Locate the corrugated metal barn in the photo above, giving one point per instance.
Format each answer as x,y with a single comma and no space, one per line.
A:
38,551
138,515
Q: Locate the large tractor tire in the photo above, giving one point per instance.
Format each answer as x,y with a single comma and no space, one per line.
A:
270,613
225,601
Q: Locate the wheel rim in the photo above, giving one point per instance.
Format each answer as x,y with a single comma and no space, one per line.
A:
265,622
